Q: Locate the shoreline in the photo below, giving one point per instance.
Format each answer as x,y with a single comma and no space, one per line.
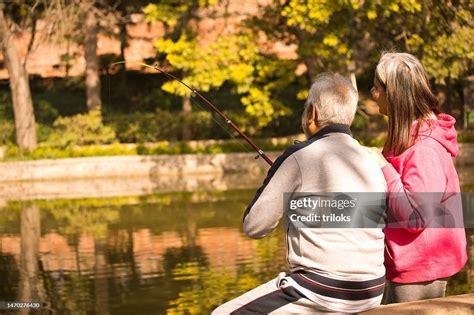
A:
120,166
115,176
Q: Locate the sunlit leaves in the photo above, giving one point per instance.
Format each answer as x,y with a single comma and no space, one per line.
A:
307,15
371,14
411,6
331,40
257,103
450,56
328,36
414,41
167,11
302,95
229,58
232,58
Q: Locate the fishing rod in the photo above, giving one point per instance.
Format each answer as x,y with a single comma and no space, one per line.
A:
213,108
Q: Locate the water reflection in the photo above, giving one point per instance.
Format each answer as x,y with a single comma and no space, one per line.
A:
29,288
175,253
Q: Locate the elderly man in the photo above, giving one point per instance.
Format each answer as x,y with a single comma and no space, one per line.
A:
330,269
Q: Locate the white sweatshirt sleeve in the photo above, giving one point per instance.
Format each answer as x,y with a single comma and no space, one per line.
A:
266,209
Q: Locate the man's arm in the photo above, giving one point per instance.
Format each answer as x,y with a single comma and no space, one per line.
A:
266,209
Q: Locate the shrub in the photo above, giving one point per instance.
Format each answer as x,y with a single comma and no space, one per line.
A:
81,129
164,125
47,152
145,127
7,132
45,112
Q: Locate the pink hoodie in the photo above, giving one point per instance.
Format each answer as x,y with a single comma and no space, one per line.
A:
417,254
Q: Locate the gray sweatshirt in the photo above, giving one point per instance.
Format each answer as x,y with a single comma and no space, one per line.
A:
329,161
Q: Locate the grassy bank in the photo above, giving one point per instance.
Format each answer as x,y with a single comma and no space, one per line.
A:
44,151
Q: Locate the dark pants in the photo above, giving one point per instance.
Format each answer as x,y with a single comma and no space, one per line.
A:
407,292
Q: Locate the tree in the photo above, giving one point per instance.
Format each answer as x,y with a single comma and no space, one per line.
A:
341,34
232,57
94,101
113,12
178,19
19,85
347,36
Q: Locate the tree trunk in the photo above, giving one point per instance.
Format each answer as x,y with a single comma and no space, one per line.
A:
20,88
123,69
187,109
94,101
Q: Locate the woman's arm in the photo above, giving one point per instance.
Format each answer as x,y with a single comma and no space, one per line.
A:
415,194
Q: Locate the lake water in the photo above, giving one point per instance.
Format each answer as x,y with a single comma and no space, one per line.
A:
165,253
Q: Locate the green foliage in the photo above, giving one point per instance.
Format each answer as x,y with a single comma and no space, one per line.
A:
371,142
81,129
161,125
466,137
168,11
171,11
164,147
48,152
329,34
145,127
359,122
161,147
45,112
438,32
7,132
231,58
261,92
257,103
450,56
228,58
6,108
7,125
234,59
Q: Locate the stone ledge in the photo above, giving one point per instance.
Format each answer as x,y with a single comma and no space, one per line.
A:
158,165
132,166
455,305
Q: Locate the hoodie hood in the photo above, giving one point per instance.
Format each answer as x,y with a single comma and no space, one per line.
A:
442,130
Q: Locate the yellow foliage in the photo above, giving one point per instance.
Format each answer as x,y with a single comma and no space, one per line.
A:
371,14
302,95
394,7
331,40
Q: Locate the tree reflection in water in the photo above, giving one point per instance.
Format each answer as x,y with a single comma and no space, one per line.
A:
30,288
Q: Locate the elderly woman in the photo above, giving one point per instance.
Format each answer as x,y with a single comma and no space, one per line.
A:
417,164
330,269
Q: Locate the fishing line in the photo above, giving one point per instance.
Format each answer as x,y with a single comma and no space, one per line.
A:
233,137
210,106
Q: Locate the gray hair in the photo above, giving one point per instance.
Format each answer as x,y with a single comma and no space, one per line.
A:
390,62
334,99
409,97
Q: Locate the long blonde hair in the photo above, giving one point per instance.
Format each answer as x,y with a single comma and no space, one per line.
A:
409,98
